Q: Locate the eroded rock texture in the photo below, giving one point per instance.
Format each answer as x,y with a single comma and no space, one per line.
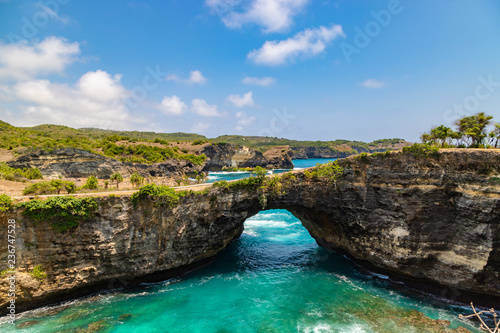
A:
434,219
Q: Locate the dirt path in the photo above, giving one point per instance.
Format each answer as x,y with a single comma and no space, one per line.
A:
196,187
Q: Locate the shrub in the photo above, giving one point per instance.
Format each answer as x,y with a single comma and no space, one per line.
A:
251,183
329,172
421,150
12,174
259,172
161,195
38,273
198,142
5,202
33,173
117,178
136,179
63,213
50,187
92,183
494,180
363,157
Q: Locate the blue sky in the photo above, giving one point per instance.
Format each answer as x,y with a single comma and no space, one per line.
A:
300,69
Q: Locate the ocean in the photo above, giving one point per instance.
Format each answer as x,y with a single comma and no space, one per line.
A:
275,278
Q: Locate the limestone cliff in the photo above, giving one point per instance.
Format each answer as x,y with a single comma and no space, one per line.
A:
435,220
77,163
318,152
224,155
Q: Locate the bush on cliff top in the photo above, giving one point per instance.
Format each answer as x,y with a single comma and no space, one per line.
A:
63,213
161,195
329,172
421,150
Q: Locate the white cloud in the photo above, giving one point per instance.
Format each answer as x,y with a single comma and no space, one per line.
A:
172,105
263,82
202,108
195,77
241,101
243,120
304,44
200,127
373,84
96,100
270,15
22,61
54,15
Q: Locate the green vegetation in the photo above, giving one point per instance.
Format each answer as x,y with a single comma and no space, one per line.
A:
115,144
494,180
151,147
50,187
38,273
265,186
199,142
12,174
259,172
251,183
328,172
265,143
116,177
147,154
161,195
6,272
136,179
63,213
363,157
471,132
5,202
421,150
91,184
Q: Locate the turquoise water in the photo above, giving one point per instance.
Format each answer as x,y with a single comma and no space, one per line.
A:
273,279
301,164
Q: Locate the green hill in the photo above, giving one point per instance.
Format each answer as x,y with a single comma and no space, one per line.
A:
150,147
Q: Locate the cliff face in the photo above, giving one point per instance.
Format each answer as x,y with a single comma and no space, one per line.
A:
221,156
77,163
430,219
306,152
318,152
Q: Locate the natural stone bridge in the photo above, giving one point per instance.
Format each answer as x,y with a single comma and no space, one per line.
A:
432,220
